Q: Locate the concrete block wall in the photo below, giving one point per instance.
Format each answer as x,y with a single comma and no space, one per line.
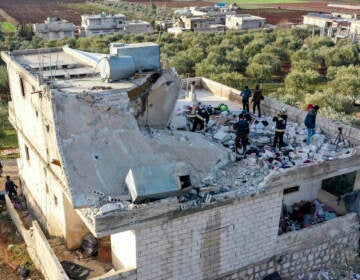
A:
310,252
211,243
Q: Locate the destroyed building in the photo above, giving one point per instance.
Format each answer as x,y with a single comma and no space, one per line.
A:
105,150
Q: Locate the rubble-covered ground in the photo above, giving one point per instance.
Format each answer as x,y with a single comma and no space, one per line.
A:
237,176
245,175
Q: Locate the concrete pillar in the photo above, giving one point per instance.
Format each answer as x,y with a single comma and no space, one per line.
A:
123,250
75,228
357,181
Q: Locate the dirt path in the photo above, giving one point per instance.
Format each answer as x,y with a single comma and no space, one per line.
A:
13,253
4,16
9,169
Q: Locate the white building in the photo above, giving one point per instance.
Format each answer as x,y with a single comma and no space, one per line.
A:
102,24
54,28
317,19
97,157
138,27
244,22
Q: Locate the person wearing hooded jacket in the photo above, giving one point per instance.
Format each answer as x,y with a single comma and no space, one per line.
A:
310,122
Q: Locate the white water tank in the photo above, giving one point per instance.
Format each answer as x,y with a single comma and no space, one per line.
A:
114,68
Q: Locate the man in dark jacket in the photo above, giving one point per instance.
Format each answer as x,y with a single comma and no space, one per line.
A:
256,100
201,117
280,126
246,94
242,132
310,122
10,188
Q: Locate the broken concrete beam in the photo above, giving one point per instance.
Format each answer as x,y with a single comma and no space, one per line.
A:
157,181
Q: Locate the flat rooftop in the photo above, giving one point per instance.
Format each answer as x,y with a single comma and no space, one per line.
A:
71,70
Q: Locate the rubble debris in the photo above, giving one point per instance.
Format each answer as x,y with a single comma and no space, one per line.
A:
89,245
75,271
304,214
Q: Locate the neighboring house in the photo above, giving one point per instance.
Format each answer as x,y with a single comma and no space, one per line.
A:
54,28
244,22
317,19
138,27
197,23
96,156
334,25
102,24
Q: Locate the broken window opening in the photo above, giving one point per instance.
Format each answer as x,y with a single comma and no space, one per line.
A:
22,86
291,190
27,154
339,185
185,181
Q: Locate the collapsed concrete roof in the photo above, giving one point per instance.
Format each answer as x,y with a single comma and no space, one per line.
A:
225,181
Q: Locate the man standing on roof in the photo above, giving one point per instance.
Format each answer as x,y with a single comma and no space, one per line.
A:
10,188
310,122
280,126
246,94
256,100
242,132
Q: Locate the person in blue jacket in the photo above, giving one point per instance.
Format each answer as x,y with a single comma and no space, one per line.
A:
242,132
310,122
246,94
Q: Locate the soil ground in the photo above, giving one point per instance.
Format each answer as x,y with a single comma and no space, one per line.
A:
13,253
31,11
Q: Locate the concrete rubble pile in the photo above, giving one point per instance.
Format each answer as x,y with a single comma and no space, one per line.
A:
237,176
246,176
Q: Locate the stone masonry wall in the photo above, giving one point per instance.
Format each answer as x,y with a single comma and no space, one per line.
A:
211,243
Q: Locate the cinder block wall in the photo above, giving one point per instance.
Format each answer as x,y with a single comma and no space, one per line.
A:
212,243
240,241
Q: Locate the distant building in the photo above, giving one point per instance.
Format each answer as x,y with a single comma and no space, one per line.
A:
197,23
138,27
317,19
244,21
54,28
102,24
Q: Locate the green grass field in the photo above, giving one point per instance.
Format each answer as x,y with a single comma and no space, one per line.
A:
7,27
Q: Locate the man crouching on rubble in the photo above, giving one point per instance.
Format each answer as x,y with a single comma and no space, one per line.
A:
201,117
242,132
280,126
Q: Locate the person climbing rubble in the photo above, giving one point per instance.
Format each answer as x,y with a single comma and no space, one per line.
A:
201,118
256,100
280,126
10,188
242,132
310,122
246,94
